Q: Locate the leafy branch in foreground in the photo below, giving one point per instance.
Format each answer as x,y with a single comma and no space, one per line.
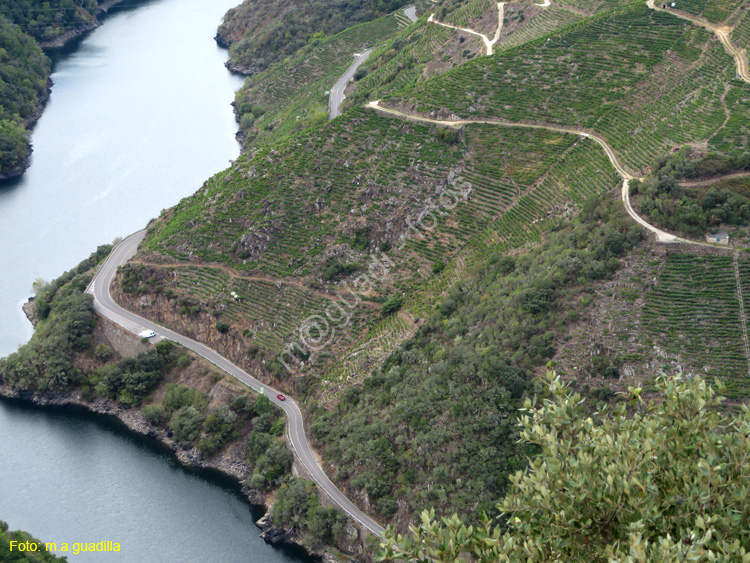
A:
639,482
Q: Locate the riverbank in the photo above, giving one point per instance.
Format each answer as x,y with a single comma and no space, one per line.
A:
231,462
64,39
60,42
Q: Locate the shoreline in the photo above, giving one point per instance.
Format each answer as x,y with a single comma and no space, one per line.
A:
227,463
60,42
21,166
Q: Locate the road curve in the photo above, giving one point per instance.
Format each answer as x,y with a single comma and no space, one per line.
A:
721,32
337,92
411,13
488,43
106,306
661,236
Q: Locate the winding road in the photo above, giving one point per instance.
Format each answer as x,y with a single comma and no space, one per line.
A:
337,92
106,306
488,43
721,32
661,236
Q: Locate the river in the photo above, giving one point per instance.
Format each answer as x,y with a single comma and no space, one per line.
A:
139,117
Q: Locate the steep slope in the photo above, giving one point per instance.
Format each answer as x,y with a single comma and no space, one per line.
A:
647,81
24,76
261,33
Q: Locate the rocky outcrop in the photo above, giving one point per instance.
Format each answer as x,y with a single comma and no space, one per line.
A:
276,535
29,309
16,170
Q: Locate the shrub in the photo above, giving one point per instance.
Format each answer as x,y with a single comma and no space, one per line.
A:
186,424
391,305
155,413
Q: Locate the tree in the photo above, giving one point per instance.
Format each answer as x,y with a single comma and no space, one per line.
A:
661,482
186,423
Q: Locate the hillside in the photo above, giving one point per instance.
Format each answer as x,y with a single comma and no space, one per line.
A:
24,76
409,269
355,244
25,26
260,34
53,22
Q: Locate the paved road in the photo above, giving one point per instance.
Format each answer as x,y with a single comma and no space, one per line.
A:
337,92
106,306
411,13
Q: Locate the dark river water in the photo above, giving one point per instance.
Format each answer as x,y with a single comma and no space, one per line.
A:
139,117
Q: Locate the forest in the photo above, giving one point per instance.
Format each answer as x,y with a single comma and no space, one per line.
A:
45,21
24,75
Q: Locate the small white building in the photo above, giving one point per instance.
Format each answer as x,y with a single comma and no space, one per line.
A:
720,237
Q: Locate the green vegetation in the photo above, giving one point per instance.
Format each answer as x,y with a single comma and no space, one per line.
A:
46,20
691,211
451,387
662,482
290,97
714,11
693,311
17,556
24,73
645,80
287,27
459,263
297,508
66,321
131,379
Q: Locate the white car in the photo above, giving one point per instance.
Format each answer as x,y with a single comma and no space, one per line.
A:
147,334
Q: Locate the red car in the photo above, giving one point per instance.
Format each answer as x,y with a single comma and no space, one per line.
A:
281,397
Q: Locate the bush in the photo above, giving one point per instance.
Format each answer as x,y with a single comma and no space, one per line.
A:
186,424
391,305
179,396
661,482
103,352
155,413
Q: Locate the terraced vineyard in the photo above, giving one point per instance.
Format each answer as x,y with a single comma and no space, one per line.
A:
479,15
741,34
692,315
426,44
714,11
512,203
323,184
646,80
295,89
269,312
540,24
